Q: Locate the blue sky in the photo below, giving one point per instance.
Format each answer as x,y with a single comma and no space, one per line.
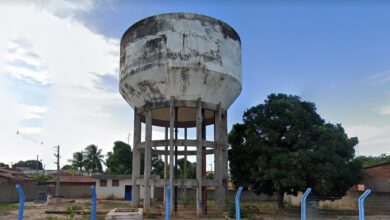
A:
59,67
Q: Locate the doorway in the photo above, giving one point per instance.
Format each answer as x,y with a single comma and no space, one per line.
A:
128,192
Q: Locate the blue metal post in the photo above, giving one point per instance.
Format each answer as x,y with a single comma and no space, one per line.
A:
303,203
93,208
168,203
21,201
361,203
238,195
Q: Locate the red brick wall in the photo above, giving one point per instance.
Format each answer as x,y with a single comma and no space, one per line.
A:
377,173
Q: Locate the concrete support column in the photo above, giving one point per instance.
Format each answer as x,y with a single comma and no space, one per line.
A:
204,165
148,157
219,194
224,156
185,165
136,164
166,163
171,136
199,162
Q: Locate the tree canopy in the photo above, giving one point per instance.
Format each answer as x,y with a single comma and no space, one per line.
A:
67,167
119,161
78,162
191,169
32,164
157,166
368,161
284,146
93,159
3,165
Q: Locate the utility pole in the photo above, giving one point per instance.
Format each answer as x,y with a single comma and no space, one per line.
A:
58,171
36,167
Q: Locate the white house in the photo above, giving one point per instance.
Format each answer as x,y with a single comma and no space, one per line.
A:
116,187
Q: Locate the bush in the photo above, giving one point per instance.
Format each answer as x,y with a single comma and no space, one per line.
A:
246,211
73,209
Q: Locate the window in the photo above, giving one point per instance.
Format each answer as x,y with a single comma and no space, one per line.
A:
103,182
115,182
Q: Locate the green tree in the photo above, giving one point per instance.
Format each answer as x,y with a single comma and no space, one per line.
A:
284,146
93,159
120,160
368,161
32,164
157,166
191,169
42,179
67,167
78,161
3,165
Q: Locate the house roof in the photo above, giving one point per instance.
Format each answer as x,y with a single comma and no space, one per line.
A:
121,177
72,178
14,174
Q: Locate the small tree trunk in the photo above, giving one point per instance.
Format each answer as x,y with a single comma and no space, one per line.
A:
280,200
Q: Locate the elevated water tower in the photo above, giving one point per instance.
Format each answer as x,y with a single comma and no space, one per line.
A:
180,71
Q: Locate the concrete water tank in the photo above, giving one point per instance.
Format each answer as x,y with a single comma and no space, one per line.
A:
180,55
180,71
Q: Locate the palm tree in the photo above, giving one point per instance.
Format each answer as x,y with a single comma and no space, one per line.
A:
78,161
93,159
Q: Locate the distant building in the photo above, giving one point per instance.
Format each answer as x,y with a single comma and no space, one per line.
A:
377,177
9,176
117,187
71,179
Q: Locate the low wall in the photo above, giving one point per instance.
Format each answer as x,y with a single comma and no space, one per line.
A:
381,185
8,193
349,202
74,191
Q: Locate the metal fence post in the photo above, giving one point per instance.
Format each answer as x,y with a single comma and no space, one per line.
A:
21,201
303,203
361,203
168,203
238,195
93,208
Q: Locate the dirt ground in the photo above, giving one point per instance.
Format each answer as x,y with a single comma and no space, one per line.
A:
79,209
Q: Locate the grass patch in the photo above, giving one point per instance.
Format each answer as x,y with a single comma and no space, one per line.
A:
8,207
250,208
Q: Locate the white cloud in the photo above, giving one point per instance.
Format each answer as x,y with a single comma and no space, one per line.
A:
24,64
65,8
28,75
380,78
373,140
383,110
16,51
40,48
32,111
30,130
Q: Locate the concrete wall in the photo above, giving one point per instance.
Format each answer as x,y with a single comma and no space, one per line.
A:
116,192
348,202
3,181
74,191
8,193
376,200
377,178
